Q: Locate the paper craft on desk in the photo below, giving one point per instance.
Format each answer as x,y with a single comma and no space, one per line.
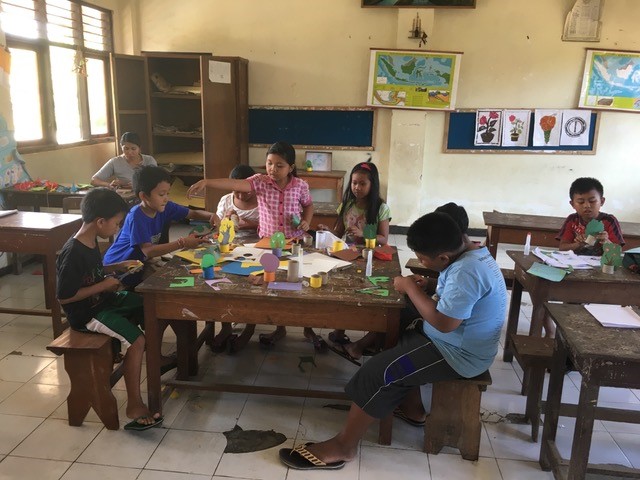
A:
325,239
213,283
183,282
236,268
4,213
266,243
314,263
614,315
547,272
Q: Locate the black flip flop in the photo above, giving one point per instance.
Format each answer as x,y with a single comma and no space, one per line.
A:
299,458
138,427
342,340
340,350
398,413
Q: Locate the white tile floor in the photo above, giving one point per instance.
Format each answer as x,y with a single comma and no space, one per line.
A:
37,443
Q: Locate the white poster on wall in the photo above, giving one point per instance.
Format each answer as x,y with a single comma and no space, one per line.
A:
576,125
515,129
546,128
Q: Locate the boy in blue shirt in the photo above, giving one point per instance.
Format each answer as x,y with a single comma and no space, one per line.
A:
140,235
459,338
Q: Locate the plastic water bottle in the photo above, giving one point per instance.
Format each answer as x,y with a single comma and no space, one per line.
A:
527,244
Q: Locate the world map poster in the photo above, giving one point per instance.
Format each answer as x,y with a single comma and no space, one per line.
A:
413,79
611,81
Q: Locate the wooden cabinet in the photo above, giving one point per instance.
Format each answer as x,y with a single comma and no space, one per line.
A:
196,107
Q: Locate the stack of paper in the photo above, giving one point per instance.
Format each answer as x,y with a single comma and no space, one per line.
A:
614,315
566,259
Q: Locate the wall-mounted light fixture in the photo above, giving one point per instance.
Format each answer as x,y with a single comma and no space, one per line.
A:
417,32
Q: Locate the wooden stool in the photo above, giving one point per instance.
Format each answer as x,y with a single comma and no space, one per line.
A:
534,356
454,420
88,360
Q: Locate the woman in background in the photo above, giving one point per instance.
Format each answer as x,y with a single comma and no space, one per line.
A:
118,171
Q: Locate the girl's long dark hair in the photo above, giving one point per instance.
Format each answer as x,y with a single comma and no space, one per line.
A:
373,199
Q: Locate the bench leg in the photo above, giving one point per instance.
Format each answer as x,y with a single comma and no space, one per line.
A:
454,420
89,372
534,396
386,428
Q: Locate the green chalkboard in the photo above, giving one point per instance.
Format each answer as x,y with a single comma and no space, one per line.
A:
346,128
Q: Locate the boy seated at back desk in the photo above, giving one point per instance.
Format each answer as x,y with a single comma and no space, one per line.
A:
587,197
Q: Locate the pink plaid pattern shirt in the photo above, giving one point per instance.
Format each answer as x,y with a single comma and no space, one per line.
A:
277,206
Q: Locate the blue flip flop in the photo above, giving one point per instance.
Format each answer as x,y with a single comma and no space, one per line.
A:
137,426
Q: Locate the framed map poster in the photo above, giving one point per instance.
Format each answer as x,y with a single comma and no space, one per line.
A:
413,79
611,81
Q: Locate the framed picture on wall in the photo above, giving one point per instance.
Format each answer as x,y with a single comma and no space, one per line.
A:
413,79
420,3
317,161
611,81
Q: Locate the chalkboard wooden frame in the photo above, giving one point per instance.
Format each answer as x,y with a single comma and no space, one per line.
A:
313,128
459,133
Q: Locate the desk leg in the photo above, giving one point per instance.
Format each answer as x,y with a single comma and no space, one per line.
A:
512,319
554,398
49,277
152,337
493,235
587,405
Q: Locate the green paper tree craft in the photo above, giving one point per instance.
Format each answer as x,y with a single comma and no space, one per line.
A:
278,240
594,227
370,232
611,255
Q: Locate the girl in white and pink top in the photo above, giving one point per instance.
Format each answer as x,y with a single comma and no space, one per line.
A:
284,204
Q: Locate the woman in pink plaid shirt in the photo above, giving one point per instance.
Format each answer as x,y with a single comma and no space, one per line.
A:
284,203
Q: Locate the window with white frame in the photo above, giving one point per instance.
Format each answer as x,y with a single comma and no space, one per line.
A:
59,75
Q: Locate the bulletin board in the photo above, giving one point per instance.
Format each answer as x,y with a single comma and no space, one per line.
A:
460,132
334,128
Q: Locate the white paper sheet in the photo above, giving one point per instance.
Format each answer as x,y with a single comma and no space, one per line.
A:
219,72
614,315
314,263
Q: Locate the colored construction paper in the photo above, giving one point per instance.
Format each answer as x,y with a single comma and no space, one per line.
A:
285,285
183,282
236,268
380,292
376,280
547,272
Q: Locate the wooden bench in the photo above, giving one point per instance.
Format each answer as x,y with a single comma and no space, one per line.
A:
534,355
89,362
454,420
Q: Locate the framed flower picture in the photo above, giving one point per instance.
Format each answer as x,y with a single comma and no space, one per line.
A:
488,127
611,81
546,128
515,130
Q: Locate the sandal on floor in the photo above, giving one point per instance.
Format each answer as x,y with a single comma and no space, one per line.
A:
138,427
338,339
319,345
266,340
398,413
340,350
299,458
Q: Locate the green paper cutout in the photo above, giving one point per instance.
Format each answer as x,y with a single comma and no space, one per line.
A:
295,220
547,272
380,292
183,282
376,280
278,240
594,227
369,231
208,260
611,255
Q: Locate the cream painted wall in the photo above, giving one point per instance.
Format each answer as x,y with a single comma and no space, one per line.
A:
69,165
316,53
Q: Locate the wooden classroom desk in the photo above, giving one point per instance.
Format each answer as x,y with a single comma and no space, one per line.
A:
336,305
15,199
41,234
580,286
604,357
513,228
